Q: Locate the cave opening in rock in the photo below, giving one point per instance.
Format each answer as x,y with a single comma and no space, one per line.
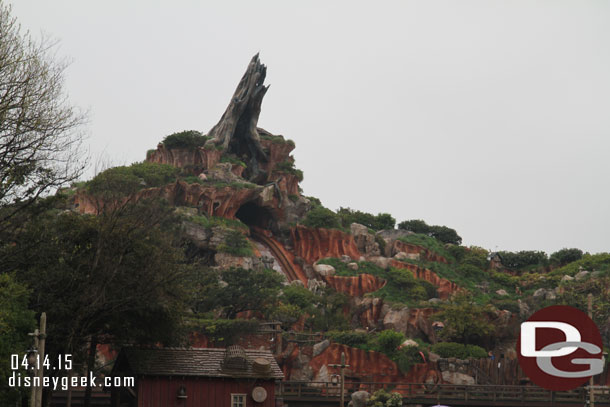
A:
254,215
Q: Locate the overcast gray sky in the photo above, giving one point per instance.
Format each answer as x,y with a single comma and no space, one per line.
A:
491,117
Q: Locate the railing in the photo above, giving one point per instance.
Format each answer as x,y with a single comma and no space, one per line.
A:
484,395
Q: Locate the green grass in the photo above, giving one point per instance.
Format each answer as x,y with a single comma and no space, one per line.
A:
213,221
401,286
429,243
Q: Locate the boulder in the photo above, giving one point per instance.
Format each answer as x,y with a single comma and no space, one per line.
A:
223,172
301,371
581,275
501,292
365,241
352,266
408,343
345,258
397,320
320,347
382,262
524,309
315,285
539,293
322,375
550,295
401,256
457,378
359,398
324,270
433,357
567,278
226,260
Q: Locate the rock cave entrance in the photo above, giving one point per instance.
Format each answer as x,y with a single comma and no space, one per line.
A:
253,215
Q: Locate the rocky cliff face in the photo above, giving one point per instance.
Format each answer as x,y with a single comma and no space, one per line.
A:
313,244
355,286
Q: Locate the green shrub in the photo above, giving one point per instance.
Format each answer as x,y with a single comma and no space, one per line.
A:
375,222
299,296
468,270
289,168
288,314
565,256
524,258
507,304
236,244
185,139
382,398
192,179
590,262
441,233
407,357
226,331
388,341
476,257
232,160
458,350
457,252
212,221
429,243
350,338
504,279
320,217
129,179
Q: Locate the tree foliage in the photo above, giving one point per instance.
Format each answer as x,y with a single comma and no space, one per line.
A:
441,233
115,277
40,144
16,320
375,222
523,258
247,290
458,350
565,256
320,217
187,139
464,319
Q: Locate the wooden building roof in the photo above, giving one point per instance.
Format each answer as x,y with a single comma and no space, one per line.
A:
204,362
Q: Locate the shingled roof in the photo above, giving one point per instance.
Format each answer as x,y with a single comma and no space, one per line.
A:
204,362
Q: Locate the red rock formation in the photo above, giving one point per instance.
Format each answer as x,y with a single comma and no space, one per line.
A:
213,201
314,244
355,286
444,287
424,253
370,366
201,159
370,312
363,364
286,259
419,323
198,158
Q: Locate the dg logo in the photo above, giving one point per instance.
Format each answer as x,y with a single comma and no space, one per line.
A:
560,348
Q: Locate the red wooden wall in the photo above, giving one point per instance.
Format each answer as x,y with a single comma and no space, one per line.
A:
201,392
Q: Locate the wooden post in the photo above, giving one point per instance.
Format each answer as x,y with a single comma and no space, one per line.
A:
591,393
34,388
342,379
41,354
342,366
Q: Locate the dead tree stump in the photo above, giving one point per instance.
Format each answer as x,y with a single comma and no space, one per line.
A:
237,130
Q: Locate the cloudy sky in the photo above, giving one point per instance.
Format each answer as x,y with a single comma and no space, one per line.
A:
491,117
